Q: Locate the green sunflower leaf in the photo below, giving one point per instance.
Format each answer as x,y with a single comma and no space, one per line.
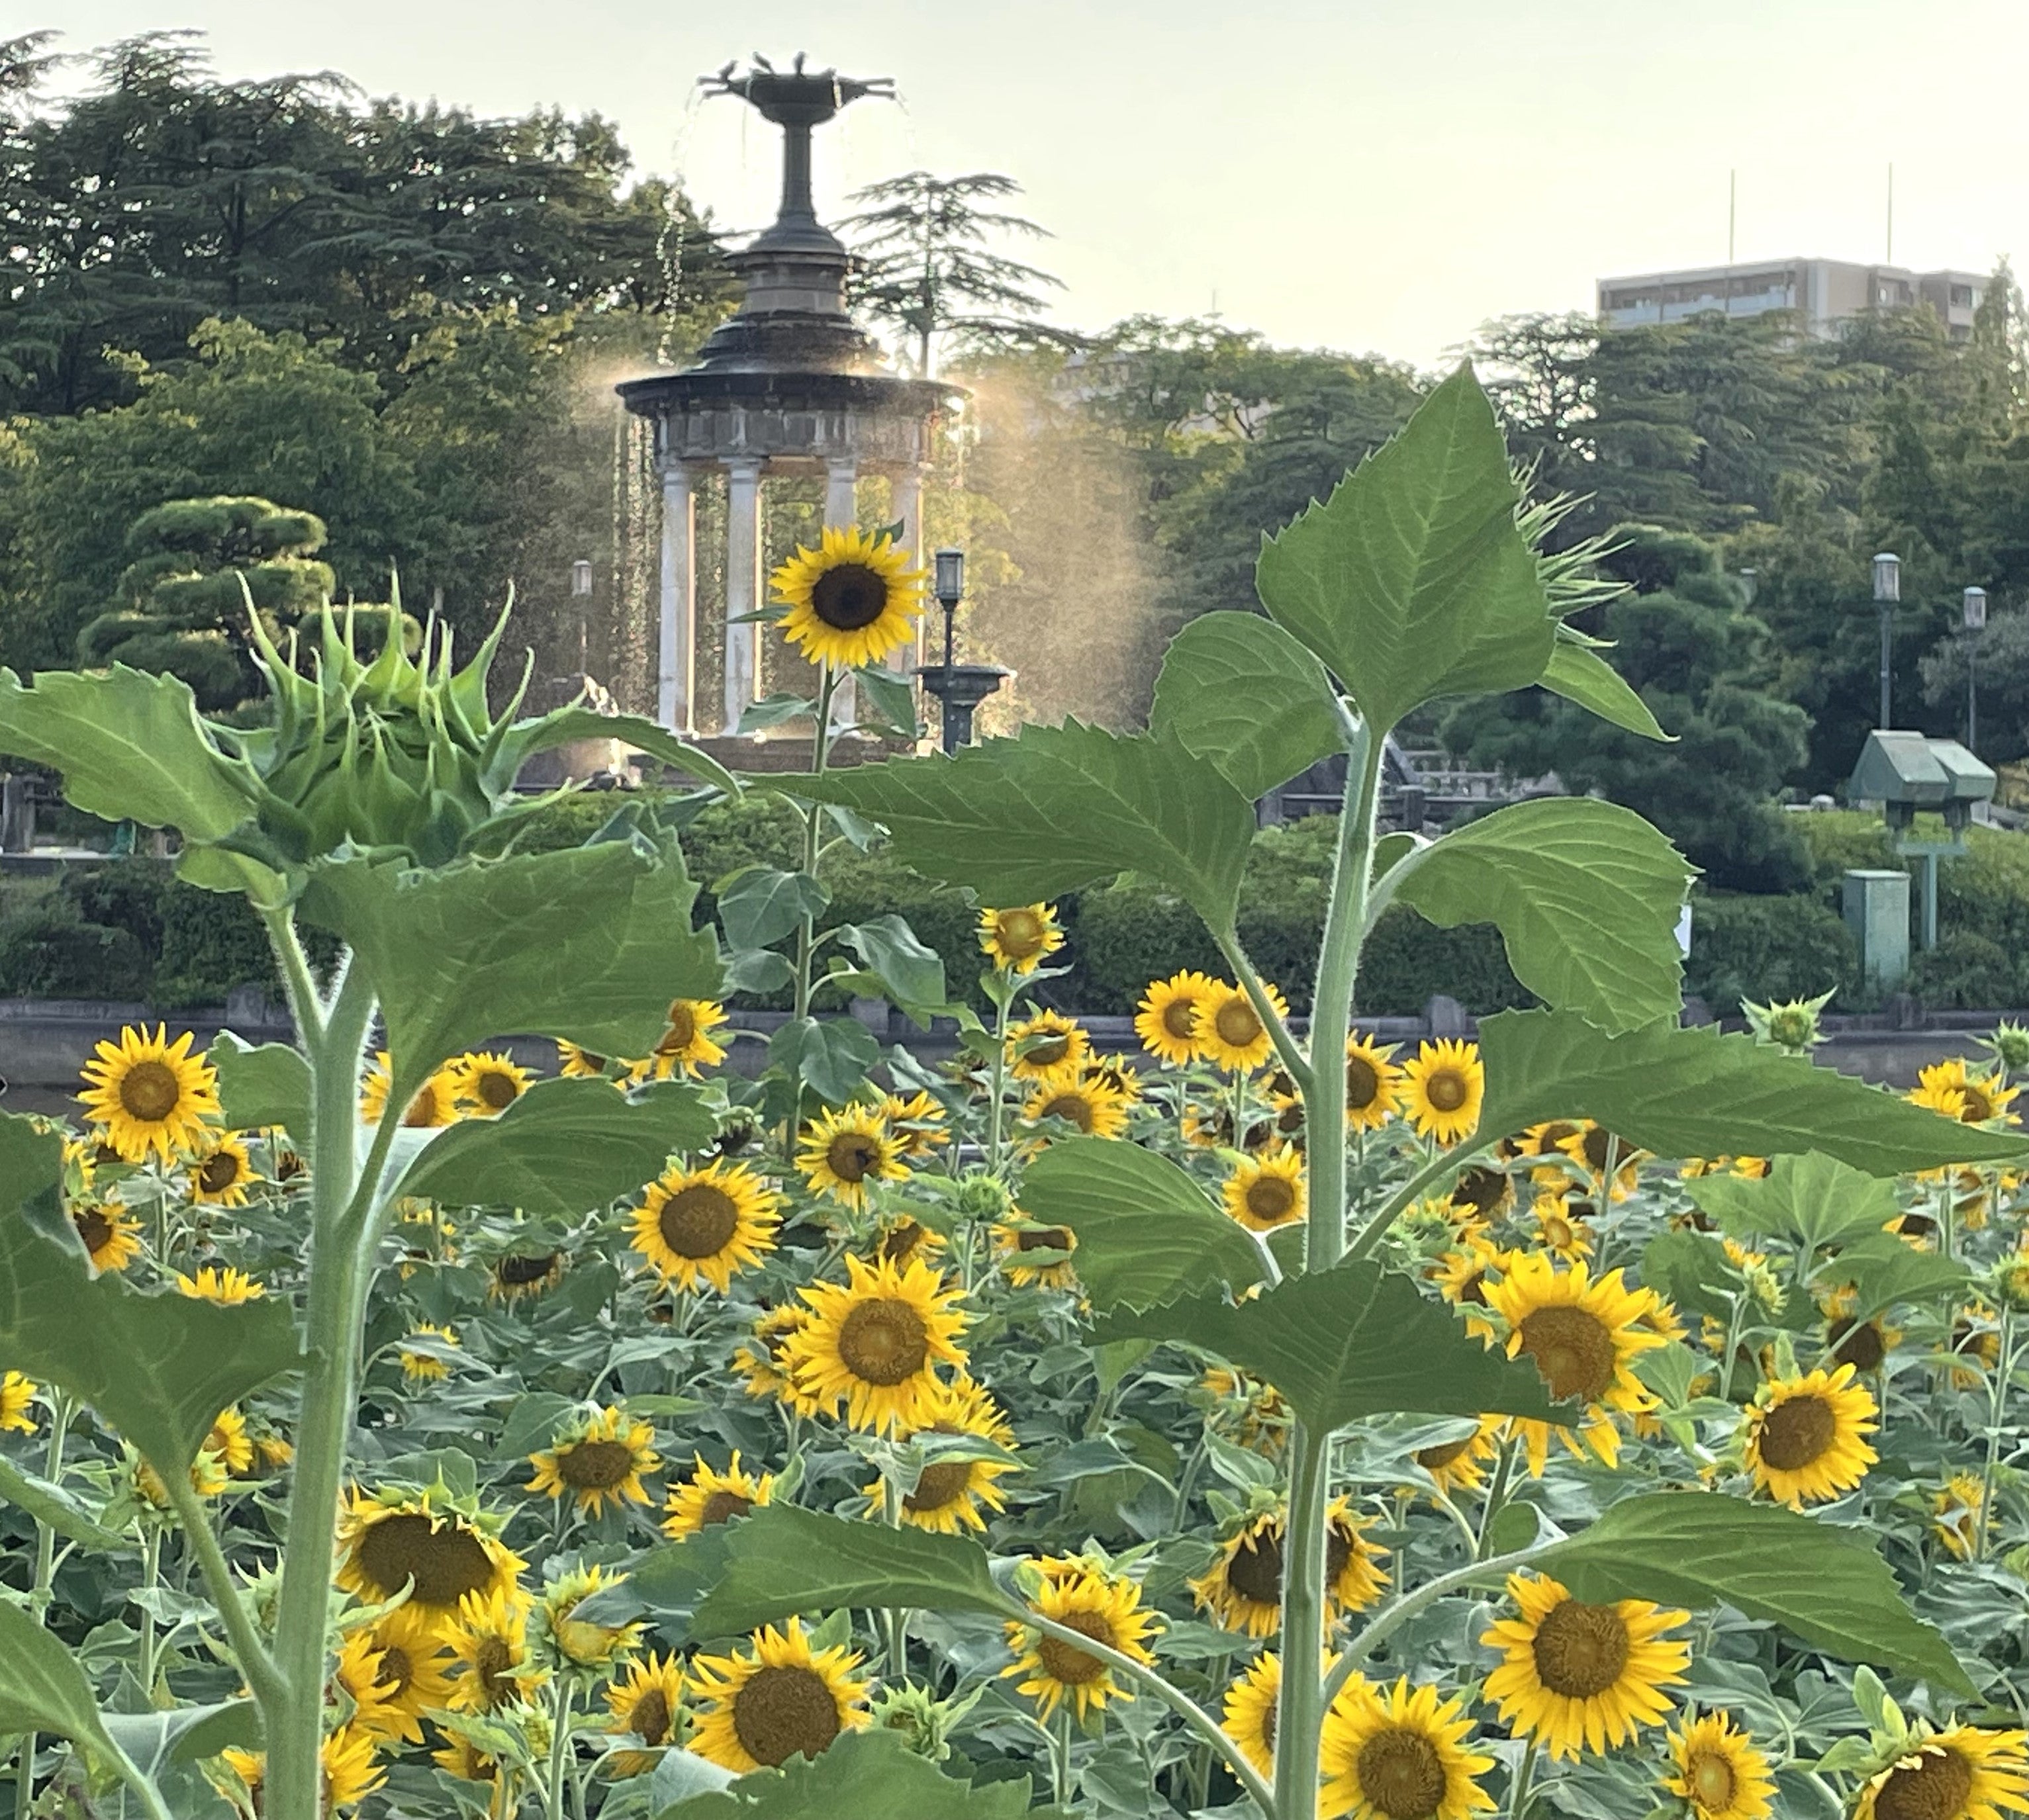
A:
129,745
913,974
1695,1092
781,1561
1585,677
1821,1581
758,907
56,1506
1412,581
566,726
260,1087
865,1773
1348,1343
591,943
563,1148
42,1689
1238,691
1146,1233
1812,1200
831,1056
1053,809
1883,1271
159,1367
1587,896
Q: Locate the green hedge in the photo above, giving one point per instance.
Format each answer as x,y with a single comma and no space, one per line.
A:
1767,948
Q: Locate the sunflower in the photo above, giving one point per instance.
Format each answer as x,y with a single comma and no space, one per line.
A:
229,1442
702,1225
948,1493
227,1286
411,1670
354,1675
460,1757
916,1123
17,1393
1230,1032
1017,940
874,1343
903,1238
347,1755
851,599
1480,1193
1243,1587
686,1046
1559,1231
759,1359
111,1237
485,1084
1583,1334
524,1274
1249,1714
419,1366
576,1064
435,1102
1588,1146
599,1459
1461,1277
150,1096
1805,1436
1579,1677
1951,1087
1171,1014
1039,1045
1398,1754
575,1642
1353,1564
1015,1242
1964,1773
391,1542
709,1497
776,1700
1082,1099
220,1176
1372,1083
1956,1512
1460,1465
1443,1088
1104,1608
1719,1771
488,1641
1266,1191
843,1150
1863,1344
646,1705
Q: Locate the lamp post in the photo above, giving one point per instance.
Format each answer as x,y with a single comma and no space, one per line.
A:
580,587
1887,592
959,687
1974,605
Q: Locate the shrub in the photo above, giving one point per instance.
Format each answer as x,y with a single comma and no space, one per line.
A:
1965,972
1767,947
1408,962
212,944
48,951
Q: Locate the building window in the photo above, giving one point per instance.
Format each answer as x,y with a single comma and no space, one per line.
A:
1962,297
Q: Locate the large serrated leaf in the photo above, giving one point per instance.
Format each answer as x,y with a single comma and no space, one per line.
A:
567,725
1821,1582
1053,809
1348,1342
1587,896
864,1774
262,1086
1691,1093
1146,1233
1812,1200
42,1689
1239,691
54,1506
1586,678
1412,581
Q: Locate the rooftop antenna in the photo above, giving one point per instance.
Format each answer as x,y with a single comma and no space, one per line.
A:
1732,209
1890,256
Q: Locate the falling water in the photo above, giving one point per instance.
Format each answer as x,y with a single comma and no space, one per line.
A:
636,535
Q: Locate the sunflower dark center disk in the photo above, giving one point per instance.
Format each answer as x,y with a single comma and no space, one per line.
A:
1180,1018
446,1563
782,1713
595,1466
497,1090
1936,1787
1580,1649
899,1246
697,1222
1235,1024
883,1341
1019,932
852,1156
1044,1239
1401,1774
1572,1349
1362,1082
1256,1570
650,1720
490,1664
723,1506
1446,1090
1481,1189
682,1033
1860,1344
1797,1432
94,1228
1271,1197
1436,1459
519,1272
218,1171
850,596
1712,1780
1075,1107
395,1669
943,1482
1065,1663
149,1091
1049,1052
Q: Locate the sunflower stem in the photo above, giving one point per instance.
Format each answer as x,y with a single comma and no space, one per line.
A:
255,1661
299,988
151,1578
806,935
1249,980
560,1743
1300,1708
1003,1000
1518,1803
1497,1493
1446,1164
2004,1369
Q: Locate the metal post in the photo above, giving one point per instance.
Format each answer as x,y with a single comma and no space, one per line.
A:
1929,933
1887,662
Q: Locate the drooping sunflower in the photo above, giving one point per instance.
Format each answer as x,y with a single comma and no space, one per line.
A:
903,1238
686,1046
948,1493
1266,1191
1806,1436
702,1225
388,1542
1480,1193
874,1343
1249,1712
485,1083
1372,1083
646,1704
575,1063
488,1641
229,1442
598,1459
1559,1231
761,1360
518,1276
1460,1465
709,1497
1243,1587
347,1757
1589,1146
434,1104
1958,1091
852,599
1579,1677
353,1674
1398,1753
1017,940
222,1174
1443,1088
1583,1334
1015,1243
1230,1032
18,1394
843,1150
150,1096
460,1757
111,1235
1171,1016
1956,1508
570,1640
777,1698
1082,1099
916,1122
1039,1045
1353,1564
1105,1608
1719,1771
421,1367
227,1286
1461,1275
1863,1344
1961,1774
411,1669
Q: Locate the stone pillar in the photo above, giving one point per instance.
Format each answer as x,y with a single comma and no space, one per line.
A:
743,586
841,508
675,683
909,509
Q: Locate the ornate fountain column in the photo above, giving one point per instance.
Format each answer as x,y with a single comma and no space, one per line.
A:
743,585
676,690
908,497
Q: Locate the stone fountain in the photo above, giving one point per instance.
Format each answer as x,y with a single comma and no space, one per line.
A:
789,385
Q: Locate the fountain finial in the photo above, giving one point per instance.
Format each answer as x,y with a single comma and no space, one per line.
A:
795,101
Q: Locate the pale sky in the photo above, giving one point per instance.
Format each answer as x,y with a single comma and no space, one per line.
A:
1368,177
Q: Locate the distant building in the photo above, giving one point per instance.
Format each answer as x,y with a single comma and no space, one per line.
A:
1823,292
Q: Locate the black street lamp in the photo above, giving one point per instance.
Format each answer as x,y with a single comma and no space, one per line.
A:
1887,592
959,687
1974,605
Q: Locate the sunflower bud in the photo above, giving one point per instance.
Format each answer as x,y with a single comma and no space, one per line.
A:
979,1196
925,1723
1792,1026
2010,1044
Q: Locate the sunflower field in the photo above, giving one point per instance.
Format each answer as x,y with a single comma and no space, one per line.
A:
1600,1418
